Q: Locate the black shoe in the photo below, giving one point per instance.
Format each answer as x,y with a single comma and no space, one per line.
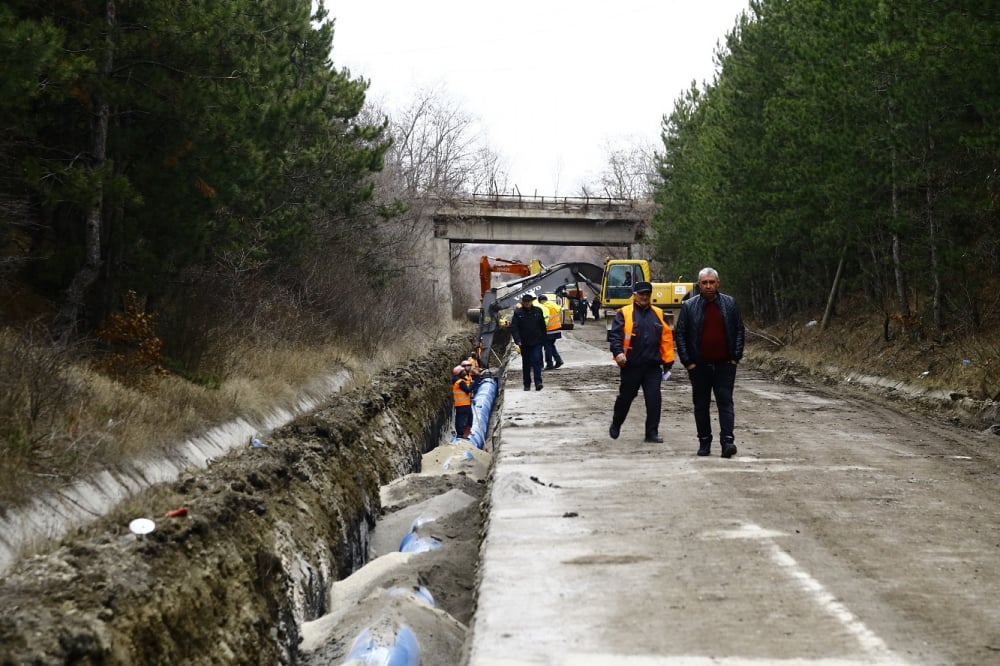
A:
527,387
653,439
728,450
538,387
551,367
704,451
614,431
558,364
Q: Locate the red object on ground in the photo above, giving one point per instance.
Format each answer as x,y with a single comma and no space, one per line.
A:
176,513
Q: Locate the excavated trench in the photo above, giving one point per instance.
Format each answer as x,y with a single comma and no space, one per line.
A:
261,538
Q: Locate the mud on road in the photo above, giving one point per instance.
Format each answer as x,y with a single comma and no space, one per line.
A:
886,517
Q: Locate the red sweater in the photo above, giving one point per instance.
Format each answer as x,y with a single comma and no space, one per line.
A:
713,336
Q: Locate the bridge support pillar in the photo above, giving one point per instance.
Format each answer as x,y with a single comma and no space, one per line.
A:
441,277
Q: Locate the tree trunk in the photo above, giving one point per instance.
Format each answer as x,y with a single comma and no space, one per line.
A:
833,290
65,326
932,241
897,252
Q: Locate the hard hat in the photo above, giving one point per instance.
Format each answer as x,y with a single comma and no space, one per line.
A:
543,298
457,370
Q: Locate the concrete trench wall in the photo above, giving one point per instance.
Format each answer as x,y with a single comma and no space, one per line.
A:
266,532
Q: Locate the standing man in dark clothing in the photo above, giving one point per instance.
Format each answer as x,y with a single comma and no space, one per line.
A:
527,328
710,334
581,310
643,347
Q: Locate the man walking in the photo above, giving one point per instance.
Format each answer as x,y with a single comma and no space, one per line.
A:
527,328
710,334
643,347
553,331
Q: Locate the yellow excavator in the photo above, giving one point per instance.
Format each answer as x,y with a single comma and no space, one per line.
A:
619,275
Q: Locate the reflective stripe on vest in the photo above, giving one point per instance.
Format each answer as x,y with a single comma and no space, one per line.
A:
460,397
666,345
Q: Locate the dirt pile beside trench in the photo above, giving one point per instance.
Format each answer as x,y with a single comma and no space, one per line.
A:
266,532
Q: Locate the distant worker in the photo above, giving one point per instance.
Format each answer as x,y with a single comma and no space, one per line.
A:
595,307
527,329
461,394
553,328
581,311
642,345
710,337
628,279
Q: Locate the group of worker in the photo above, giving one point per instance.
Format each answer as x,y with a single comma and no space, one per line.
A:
709,337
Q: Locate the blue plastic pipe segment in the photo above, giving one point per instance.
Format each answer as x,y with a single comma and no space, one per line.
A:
404,651
482,406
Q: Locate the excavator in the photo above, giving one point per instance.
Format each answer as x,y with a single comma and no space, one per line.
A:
616,288
489,265
554,279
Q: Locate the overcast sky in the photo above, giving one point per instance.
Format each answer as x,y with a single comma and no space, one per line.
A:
552,81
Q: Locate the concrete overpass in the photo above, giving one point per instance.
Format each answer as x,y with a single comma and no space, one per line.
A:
510,219
519,220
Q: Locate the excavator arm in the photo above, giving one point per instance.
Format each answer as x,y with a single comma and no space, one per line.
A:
550,280
489,265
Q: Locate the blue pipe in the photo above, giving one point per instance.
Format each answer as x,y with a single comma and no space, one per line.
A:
482,406
399,650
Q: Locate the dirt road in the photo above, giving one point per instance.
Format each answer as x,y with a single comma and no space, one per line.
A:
846,531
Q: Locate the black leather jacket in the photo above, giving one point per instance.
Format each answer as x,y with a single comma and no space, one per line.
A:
687,330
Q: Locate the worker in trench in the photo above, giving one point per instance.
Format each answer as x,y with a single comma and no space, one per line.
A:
461,393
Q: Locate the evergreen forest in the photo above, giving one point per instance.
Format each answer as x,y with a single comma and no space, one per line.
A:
844,147
207,163
204,161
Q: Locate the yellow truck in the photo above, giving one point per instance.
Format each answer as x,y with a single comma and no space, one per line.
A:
616,288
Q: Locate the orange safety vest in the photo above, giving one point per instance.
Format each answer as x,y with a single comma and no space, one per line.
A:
666,339
460,397
553,320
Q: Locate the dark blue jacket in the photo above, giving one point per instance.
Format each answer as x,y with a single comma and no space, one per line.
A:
527,326
647,332
687,330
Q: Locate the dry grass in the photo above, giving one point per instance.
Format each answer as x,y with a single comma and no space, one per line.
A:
962,361
60,419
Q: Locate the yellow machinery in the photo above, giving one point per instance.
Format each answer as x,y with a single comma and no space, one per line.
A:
616,288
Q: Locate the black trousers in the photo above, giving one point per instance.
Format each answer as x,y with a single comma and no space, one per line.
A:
647,377
718,379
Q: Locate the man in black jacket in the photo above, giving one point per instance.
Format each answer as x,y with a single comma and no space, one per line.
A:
709,334
527,328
